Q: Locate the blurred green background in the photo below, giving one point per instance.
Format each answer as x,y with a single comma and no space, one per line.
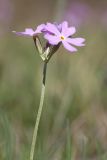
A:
74,119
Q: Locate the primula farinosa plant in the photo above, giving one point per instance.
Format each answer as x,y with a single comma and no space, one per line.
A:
54,35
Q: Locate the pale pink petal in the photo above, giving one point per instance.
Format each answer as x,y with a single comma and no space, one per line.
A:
54,40
69,47
52,29
59,26
29,31
64,26
21,33
76,41
72,30
40,28
67,31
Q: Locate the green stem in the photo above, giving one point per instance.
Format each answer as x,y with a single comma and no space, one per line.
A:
39,113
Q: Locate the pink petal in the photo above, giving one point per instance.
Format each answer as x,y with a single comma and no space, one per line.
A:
76,41
52,28
21,33
72,30
59,26
40,28
64,26
69,47
67,31
29,31
54,40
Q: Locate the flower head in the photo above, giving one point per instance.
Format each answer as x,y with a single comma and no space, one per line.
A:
55,35
30,31
62,34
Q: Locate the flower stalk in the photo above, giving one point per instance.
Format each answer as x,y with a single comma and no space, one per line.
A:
34,139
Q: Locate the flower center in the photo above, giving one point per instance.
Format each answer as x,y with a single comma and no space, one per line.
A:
62,37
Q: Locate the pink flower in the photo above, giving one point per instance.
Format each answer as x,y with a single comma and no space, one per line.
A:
30,31
62,34
55,34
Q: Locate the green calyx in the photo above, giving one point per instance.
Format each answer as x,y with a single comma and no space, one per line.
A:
47,51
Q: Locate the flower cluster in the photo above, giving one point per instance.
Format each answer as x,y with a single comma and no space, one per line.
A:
55,35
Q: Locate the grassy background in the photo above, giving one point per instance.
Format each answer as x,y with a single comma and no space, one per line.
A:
74,119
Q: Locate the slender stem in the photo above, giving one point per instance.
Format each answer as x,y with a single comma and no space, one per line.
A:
39,113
